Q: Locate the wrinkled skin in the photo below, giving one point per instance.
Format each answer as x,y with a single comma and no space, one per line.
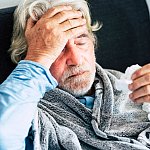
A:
141,85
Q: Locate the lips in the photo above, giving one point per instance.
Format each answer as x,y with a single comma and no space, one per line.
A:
76,74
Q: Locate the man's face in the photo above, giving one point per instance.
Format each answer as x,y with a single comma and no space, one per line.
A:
74,69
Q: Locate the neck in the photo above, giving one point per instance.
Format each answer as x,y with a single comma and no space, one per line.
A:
91,91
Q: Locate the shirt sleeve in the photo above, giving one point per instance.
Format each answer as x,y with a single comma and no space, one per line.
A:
19,95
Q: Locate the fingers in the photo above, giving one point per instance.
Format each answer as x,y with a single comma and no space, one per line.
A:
69,24
141,92
60,14
63,17
142,99
140,72
139,82
29,25
67,15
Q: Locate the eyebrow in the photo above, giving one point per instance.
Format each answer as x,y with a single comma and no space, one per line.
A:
83,35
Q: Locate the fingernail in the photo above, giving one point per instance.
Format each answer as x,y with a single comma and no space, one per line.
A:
134,101
130,96
130,87
133,76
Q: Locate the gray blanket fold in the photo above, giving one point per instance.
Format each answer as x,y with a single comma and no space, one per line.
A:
114,123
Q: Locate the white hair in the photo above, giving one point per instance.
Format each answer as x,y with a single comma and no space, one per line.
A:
35,9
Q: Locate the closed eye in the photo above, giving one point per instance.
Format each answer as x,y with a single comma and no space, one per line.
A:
80,43
81,40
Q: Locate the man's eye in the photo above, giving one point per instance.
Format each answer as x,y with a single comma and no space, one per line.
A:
81,43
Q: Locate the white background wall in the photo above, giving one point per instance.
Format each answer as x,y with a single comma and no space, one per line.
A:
8,3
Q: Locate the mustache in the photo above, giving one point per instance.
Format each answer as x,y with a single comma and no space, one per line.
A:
73,70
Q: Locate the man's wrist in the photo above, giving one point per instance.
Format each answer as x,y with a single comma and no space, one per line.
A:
46,62
40,70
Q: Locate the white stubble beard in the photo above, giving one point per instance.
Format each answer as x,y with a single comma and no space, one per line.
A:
78,85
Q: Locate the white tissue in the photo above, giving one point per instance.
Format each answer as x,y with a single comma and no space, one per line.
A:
125,80
129,71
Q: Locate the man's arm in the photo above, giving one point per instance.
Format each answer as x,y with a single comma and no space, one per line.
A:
19,96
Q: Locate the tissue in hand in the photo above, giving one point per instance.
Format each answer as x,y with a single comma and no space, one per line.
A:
125,80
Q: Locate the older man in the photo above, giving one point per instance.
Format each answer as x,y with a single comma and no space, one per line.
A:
81,108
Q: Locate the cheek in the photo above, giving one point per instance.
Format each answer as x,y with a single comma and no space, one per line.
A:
58,66
56,70
90,56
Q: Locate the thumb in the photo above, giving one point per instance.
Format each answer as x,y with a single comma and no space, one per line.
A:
30,24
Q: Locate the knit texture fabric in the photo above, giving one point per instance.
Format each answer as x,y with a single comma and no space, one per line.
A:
114,123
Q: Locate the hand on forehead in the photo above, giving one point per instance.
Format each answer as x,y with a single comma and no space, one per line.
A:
51,32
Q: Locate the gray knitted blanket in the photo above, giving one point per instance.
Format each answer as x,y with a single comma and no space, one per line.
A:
114,123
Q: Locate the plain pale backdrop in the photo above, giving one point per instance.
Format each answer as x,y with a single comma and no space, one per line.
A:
8,3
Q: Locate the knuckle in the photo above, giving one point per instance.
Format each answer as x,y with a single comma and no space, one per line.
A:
53,31
147,78
135,85
74,11
53,9
56,33
82,21
63,13
70,33
148,65
146,89
133,95
26,33
46,25
147,98
70,22
138,72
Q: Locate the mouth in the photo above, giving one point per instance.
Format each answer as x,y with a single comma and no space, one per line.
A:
77,74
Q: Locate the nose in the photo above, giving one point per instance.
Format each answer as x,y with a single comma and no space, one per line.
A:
74,55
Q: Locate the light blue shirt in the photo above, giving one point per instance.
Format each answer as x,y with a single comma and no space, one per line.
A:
19,96
88,101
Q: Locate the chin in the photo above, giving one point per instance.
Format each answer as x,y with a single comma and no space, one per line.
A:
76,92
79,85
79,88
